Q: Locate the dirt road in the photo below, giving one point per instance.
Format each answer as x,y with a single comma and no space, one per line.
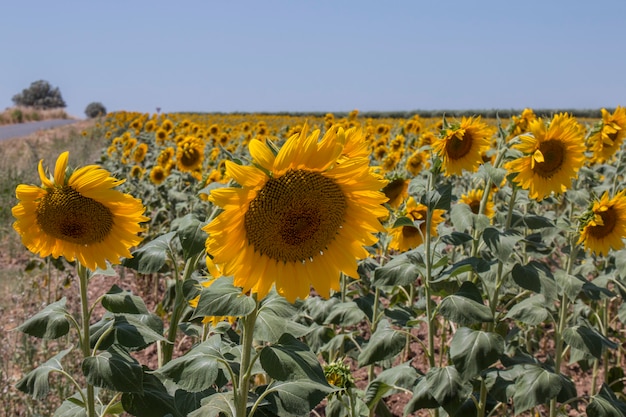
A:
24,129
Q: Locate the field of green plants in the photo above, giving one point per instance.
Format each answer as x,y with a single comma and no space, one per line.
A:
329,265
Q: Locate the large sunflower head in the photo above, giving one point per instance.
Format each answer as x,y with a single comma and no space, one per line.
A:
404,238
300,217
552,156
604,226
462,145
78,215
608,136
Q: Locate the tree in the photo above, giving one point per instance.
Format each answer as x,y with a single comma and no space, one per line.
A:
40,95
95,109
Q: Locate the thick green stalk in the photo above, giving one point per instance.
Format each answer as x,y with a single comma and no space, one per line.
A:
245,372
83,278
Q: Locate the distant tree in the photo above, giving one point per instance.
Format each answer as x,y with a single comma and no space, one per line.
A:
95,109
40,95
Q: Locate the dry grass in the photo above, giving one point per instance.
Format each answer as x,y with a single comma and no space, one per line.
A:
21,114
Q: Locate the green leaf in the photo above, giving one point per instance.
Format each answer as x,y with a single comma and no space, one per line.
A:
153,401
50,323
456,238
118,300
422,397
385,343
403,221
114,369
223,299
401,270
221,404
297,397
389,382
447,388
441,198
465,307
290,360
473,351
191,236
531,310
537,222
134,331
606,404
35,382
501,244
151,257
269,327
345,314
199,368
571,285
73,407
186,402
588,340
535,277
535,386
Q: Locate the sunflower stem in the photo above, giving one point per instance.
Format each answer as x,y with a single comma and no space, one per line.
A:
83,278
245,372
179,306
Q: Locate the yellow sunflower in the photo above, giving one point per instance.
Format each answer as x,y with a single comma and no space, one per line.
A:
552,156
404,238
609,135
605,225
158,174
299,219
463,144
416,163
396,190
190,154
473,199
78,215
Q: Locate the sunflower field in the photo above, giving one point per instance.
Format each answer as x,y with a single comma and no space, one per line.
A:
337,266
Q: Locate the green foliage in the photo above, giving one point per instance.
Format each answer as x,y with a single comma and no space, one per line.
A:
40,95
95,109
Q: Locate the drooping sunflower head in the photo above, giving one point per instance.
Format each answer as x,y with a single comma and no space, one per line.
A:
462,144
552,156
607,137
604,226
78,215
300,217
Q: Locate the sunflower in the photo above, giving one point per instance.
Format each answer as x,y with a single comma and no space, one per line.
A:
404,238
416,163
608,135
552,156
78,215
604,226
139,154
462,145
396,190
473,199
521,123
299,219
190,154
158,174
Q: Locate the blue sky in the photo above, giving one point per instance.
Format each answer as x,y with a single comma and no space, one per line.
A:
317,55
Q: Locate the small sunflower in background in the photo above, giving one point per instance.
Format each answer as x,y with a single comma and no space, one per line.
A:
190,154
78,215
604,226
607,137
158,174
552,156
473,199
462,145
299,219
396,190
404,238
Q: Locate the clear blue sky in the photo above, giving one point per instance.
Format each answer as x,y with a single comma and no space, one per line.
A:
317,55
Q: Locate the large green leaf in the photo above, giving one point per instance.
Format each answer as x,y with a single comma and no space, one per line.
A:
535,386
134,331
191,236
50,323
114,369
345,314
153,401
151,257
531,310
440,198
473,351
36,382
290,359
73,407
447,388
401,270
588,340
118,300
537,278
501,244
198,369
221,404
465,307
606,404
269,327
389,381
385,343
296,397
422,397
222,298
